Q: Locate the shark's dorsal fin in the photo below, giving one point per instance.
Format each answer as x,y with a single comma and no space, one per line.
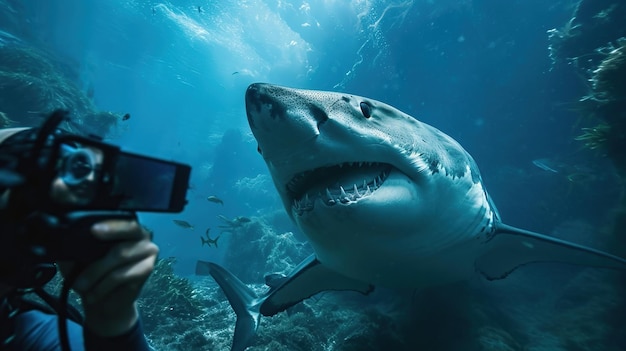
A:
511,247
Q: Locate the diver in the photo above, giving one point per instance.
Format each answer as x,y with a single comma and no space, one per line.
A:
109,284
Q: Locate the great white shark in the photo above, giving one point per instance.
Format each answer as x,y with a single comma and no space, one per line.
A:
383,199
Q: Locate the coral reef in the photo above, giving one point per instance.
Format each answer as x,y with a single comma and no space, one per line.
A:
256,250
332,321
166,296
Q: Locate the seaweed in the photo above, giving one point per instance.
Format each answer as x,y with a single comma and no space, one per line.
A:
593,25
608,82
595,137
595,41
32,85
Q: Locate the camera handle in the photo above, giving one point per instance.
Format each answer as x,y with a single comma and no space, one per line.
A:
67,236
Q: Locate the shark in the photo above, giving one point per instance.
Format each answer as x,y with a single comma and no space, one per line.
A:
383,199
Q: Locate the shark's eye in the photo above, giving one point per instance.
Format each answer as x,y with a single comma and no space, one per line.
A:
366,109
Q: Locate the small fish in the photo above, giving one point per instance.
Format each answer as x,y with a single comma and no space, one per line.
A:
183,224
236,72
200,9
126,117
581,177
215,199
546,165
208,241
224,218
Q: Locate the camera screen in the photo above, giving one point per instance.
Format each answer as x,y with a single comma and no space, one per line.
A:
143,183
94,175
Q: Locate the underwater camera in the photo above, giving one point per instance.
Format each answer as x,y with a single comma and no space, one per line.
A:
55,185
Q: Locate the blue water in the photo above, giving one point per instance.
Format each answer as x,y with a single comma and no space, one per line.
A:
479,70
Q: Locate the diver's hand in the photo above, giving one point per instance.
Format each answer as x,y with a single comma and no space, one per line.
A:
110,286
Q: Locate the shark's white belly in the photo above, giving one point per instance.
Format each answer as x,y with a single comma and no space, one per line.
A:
396,246
397,265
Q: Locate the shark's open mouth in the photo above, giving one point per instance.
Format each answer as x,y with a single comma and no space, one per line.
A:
344,183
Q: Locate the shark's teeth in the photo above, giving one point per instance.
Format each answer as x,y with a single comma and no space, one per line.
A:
339,195
301,181
344,196
356,191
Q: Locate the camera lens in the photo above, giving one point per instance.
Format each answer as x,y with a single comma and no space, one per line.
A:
78,165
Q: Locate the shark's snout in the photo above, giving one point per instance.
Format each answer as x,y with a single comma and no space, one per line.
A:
281,118
261,103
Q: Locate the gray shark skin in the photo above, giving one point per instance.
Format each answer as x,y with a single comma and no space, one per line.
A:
383,198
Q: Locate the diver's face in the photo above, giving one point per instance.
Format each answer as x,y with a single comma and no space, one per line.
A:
76,182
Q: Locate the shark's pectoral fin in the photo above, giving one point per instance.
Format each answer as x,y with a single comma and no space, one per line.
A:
306,280
243,300
511,248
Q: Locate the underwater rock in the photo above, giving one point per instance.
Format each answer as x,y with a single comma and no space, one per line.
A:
496,339
588,312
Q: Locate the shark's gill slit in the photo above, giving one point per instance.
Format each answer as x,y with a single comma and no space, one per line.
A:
343,183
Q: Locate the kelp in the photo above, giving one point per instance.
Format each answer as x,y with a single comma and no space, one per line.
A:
32,85
594,42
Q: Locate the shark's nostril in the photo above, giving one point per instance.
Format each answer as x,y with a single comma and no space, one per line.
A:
319,115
